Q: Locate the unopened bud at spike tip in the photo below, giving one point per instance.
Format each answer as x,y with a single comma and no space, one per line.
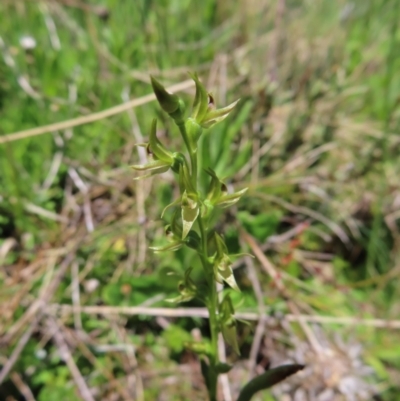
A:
169,102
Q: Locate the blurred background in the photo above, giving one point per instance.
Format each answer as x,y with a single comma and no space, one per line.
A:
315,137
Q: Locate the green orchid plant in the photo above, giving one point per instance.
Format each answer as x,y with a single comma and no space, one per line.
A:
191,226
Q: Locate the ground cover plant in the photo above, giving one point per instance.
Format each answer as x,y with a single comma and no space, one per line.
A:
314,138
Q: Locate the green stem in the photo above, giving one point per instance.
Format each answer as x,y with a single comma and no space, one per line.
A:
212,306
212,299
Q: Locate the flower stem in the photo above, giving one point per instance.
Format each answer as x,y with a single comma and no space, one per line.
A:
212,298
212,306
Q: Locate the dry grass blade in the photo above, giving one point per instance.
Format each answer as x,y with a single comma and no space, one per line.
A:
270,269
203,313
74,122
47,293
18,349
308,212
66,356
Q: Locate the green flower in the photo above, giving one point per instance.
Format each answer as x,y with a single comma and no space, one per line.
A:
222,263
161,160
186,288
218,194
204,111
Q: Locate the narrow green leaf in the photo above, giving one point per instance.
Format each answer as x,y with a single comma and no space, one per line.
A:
267,380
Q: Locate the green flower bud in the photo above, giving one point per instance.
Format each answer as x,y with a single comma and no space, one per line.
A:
169,102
